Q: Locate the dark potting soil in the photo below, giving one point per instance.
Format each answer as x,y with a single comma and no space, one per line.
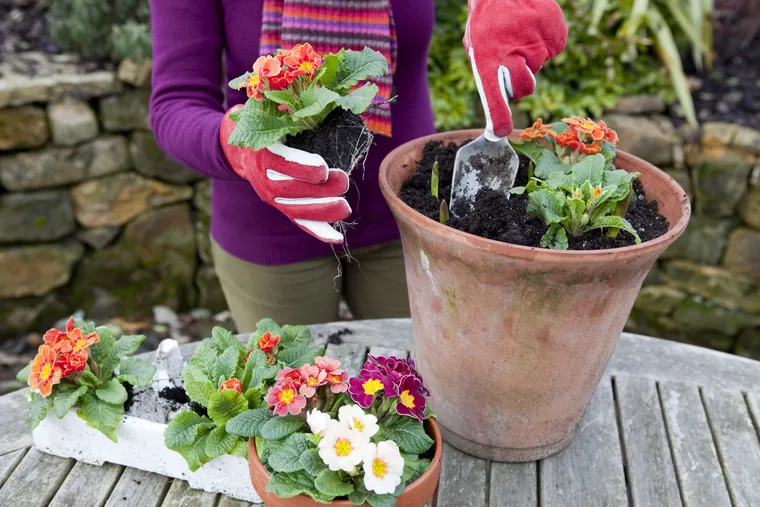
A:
130,396
336,338
342,139
177,397
494,217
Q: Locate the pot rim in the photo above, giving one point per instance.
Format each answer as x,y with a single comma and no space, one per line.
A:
253,456
498,247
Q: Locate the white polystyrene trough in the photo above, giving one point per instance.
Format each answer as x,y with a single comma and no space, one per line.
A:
141,443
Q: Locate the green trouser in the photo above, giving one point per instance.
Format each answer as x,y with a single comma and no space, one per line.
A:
373,284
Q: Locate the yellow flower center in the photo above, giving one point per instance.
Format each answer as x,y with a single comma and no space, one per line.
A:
358,424
343,447
334,378
313,381
46,372
79,345
372,386
379,468
407,399
306,66
286,396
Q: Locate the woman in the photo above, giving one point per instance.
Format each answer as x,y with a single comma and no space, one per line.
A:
267,265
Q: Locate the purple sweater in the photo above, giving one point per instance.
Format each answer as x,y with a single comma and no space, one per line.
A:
188,103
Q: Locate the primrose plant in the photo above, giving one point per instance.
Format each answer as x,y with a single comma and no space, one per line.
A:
574,186
293,91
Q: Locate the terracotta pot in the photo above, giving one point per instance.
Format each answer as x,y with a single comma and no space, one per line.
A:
512,340
415,495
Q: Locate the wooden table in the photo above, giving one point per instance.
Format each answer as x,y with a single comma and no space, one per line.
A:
670,424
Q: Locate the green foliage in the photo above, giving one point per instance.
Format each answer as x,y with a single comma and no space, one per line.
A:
112,30
409,435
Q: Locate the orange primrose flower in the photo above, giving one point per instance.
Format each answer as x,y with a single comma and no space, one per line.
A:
70,362
44,374
267,66
585,125
70,340
590,149
303,60
232,383
537,131
609,134
268,342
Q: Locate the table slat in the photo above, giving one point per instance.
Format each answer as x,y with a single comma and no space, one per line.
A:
351,356
227,501
753,400
14,430
696,461
8,463
589,471
651,473
35,480
738,445
463,480
87,485
138,488
514,484
388,352
182,495
394,333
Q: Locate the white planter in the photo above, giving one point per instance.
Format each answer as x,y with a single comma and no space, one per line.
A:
141,445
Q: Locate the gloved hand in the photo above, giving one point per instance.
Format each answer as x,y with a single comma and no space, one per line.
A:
297,183
507,42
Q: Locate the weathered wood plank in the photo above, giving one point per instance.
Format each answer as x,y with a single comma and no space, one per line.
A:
665,360
589,471
87,485
8,463
182,495
738,444
14,431
227,501
393,333
351,356
35,480
137,488
698,469
651,473
379,351
463,480
514,484
753,400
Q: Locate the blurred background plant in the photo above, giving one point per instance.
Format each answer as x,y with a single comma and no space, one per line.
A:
102,30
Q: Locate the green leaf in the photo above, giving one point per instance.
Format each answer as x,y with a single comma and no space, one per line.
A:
284,97
195,452
329,68
295,336
409,435
288,485
248,424
124,346
38,407
297,357
278,428
267,326
517,190
621,180
225,339
262,127
547,164
358,100
219,442
313,101
356,66
359,495
614,222
286,457
112,392
422,467
555,238
101,415
237,83
548,205
65,400
204,358
576,208
88,378
136,371
23,375
311,462
185,428
240,449
224,405
226,364
434,180
530,149
330,484
254,397
99,351
381,500
411,462
260,374
590,169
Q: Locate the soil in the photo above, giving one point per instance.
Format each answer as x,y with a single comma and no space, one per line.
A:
130,396
495,218
342,140
336,338
177,398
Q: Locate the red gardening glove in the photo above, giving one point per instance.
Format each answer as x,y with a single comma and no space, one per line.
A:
507,42
297,183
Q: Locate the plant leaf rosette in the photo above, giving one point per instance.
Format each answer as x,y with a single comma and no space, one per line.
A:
574,186
318,432
295,90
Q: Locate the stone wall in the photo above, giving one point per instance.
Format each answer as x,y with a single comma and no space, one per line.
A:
92,214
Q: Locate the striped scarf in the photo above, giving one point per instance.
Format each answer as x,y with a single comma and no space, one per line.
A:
329,25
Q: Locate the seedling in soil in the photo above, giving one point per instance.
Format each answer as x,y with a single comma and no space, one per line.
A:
434,180
444,213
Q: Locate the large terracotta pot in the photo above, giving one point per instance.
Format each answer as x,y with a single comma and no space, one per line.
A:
415,495
512,340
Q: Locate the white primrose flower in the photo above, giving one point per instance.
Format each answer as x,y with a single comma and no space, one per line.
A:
357,419
317,421
383,467
341,447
